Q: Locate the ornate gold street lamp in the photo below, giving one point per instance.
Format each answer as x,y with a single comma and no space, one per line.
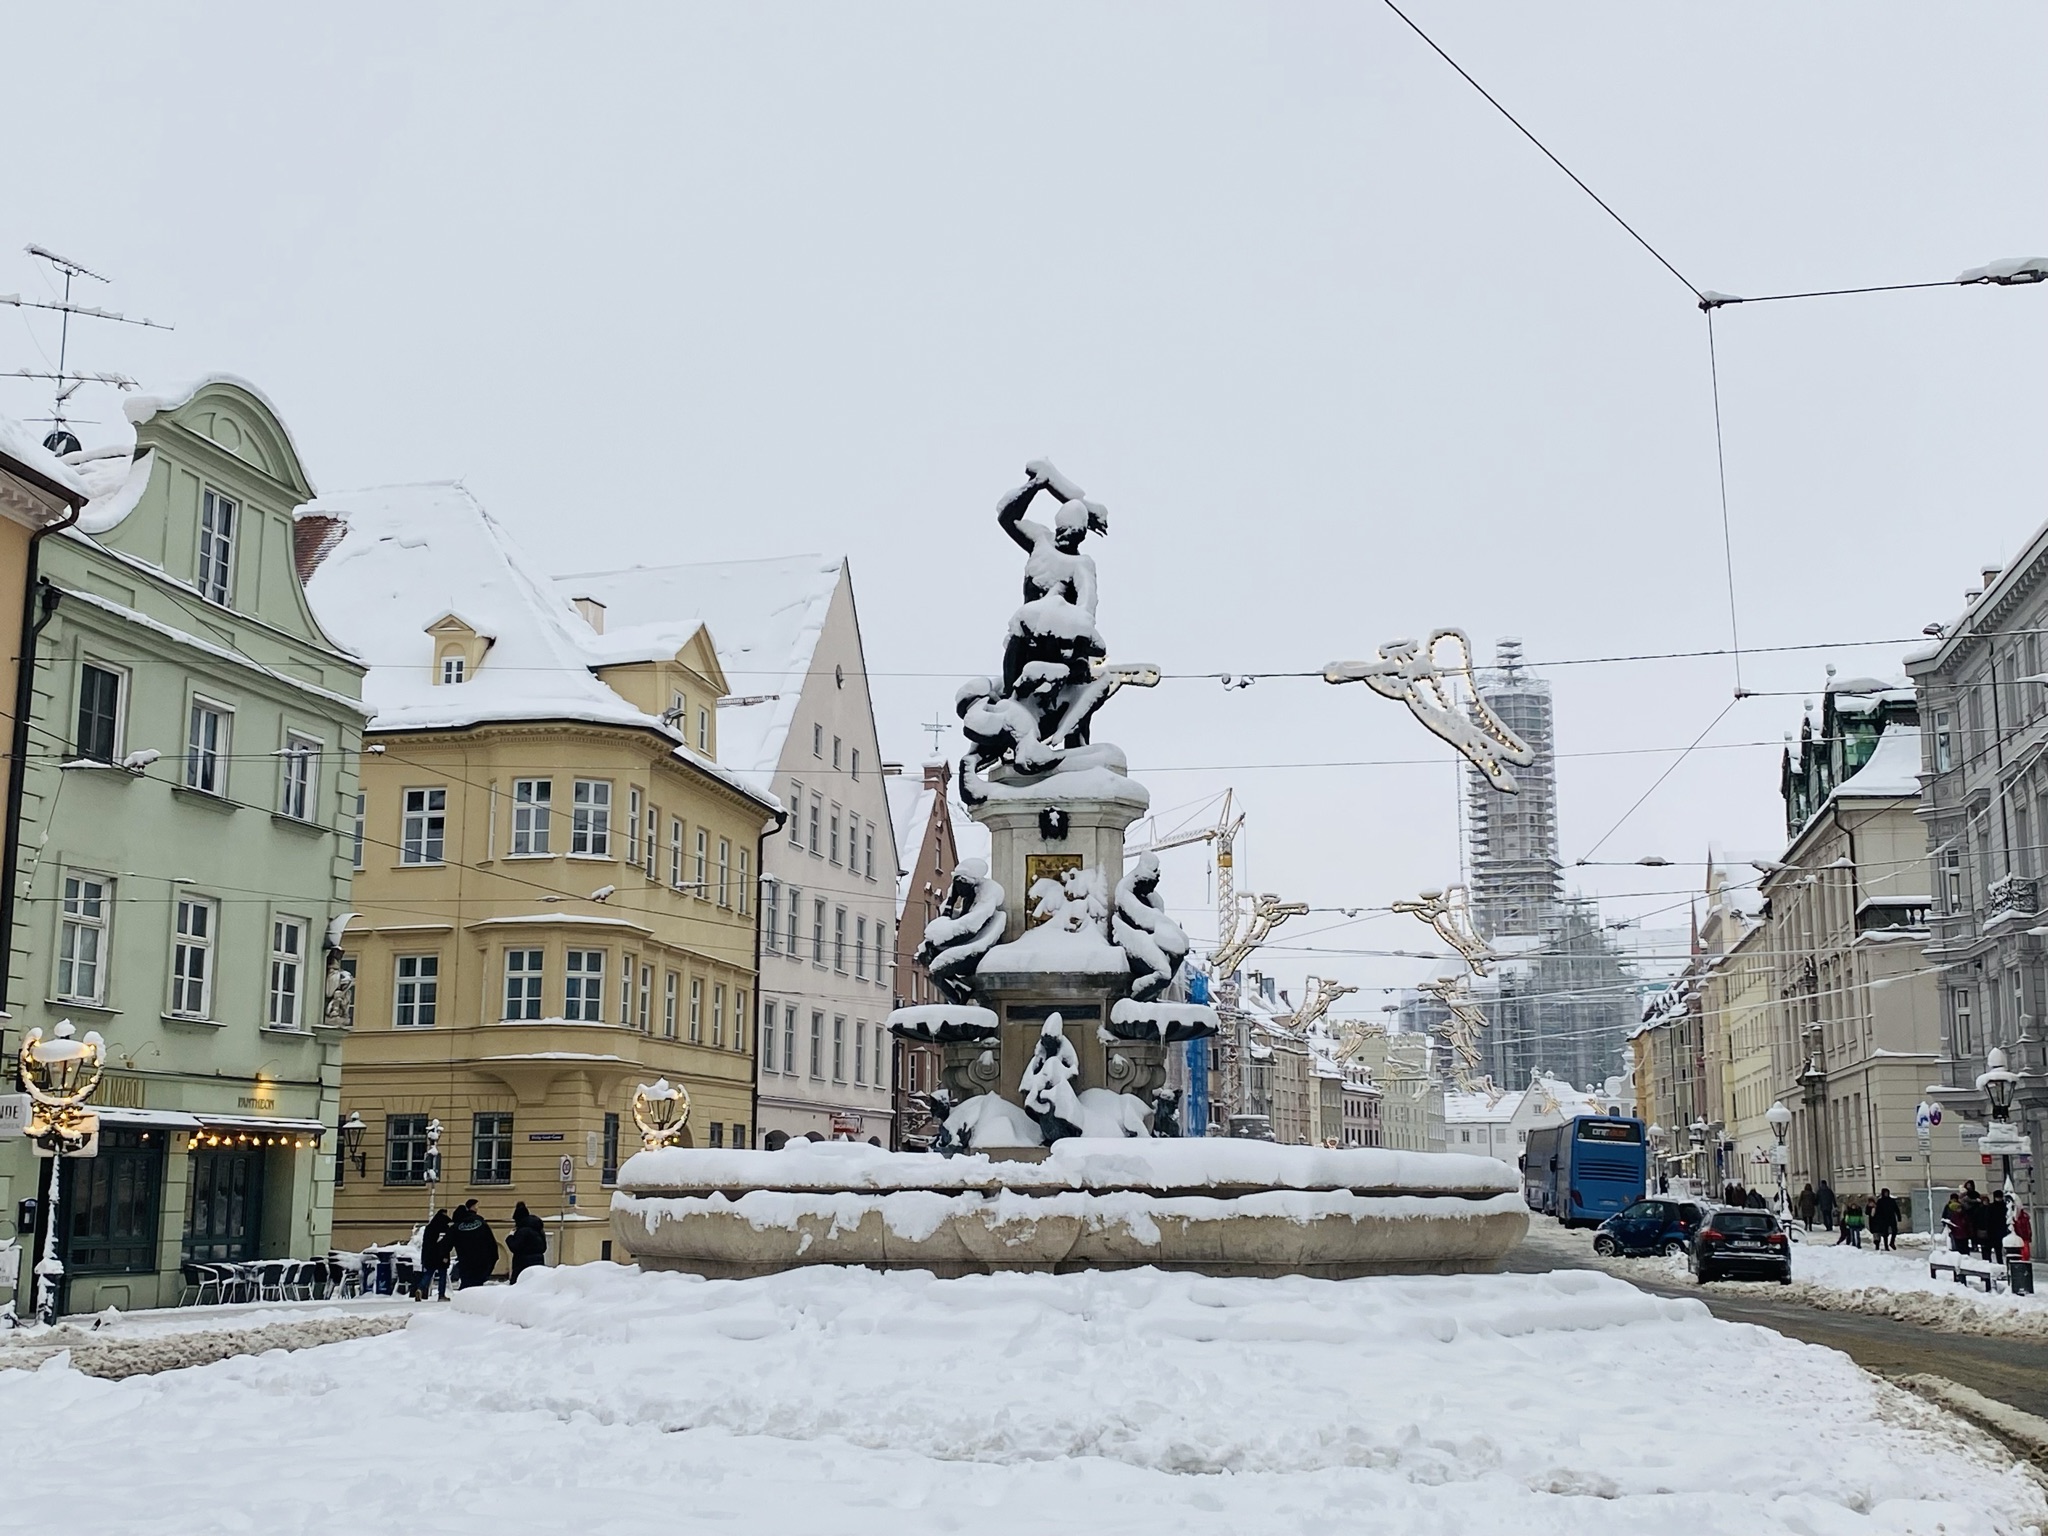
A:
59,1075
661,1109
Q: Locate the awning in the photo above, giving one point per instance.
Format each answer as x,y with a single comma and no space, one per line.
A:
278,1124
168,1119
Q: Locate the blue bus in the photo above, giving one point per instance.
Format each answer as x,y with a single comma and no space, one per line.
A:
1584,1170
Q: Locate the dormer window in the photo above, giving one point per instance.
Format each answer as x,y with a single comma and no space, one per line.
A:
216,547
453,669
458,649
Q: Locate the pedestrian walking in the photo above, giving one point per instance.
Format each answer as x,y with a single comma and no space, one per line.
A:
476,1247
1991,1234
436,1245
527,1242
1853,1222
1955,1221
2023,1224
1884,1221
1808,1203
1824,1199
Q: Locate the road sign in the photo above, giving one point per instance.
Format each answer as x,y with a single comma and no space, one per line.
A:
568,1171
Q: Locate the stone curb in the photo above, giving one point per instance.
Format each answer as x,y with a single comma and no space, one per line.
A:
115,1359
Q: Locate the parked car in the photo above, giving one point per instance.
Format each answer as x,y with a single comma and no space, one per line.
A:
1656,1225
1747,1244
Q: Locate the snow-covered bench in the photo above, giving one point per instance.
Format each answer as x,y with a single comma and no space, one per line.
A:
1964,1269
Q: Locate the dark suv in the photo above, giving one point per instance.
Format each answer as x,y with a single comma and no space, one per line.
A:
1746,1244
1655,1225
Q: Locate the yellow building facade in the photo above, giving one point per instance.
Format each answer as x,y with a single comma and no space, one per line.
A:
555,897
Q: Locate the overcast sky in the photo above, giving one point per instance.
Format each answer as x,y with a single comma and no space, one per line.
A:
1345,357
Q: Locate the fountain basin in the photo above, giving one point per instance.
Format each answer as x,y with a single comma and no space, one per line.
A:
1219,1207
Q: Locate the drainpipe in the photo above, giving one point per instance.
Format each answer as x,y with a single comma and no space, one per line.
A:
769,828
39,604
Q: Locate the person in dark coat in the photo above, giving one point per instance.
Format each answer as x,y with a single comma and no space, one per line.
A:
1955,1220
476,1247
435,1248
1991,1235
1824,1201
1808,1204
527,1242
1884,1221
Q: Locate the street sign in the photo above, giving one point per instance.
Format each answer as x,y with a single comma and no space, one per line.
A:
14,1109
568,1172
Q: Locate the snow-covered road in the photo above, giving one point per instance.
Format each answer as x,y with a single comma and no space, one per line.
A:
853,1402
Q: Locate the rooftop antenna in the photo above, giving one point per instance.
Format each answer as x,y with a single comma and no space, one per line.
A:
67,383
938,725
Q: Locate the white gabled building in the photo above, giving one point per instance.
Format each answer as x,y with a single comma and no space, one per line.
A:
798,723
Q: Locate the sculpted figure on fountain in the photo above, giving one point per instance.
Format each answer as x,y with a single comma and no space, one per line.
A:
1141,929
968,926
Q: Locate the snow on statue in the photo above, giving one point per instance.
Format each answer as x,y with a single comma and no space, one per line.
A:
1140,927
967,927
1053,636
1048,1083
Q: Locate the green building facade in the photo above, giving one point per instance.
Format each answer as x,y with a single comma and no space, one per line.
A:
186,844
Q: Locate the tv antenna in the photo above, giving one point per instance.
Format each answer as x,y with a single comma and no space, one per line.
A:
66,381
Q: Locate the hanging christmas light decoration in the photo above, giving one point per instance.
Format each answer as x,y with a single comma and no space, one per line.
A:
1414,675
1449,912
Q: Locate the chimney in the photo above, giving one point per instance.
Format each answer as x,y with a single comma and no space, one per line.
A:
592,611
1990,574
938,776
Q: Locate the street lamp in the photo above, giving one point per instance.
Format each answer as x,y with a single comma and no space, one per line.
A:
1779,1119
352,1129
2001,1136
1656,1135
59,1075
433,1168
1696,1134
661,1109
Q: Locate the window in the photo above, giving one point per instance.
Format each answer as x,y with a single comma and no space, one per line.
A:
609,1173
838,1048
739,1133
860,948
301,777
817,740
796,813
653,843
860,1051
724,872
356,850
523,974
717,1134
583,988
287,972
881,951
1944,747
192,958
833,856
99,713
405,1149
532,802
696,1010
739,1019
746,879
817,818
767,1037
672,987
718,1014
789,1041
111,1201
856,765
206,747
632,826
628,962
1952,879
795,921
216,547
416,992
675,852
703,873
421,837
590,824
490,1157
839,939
870,850
817,1044
454,669
817,933
82,940
643,1014
703,729
771,916
835,754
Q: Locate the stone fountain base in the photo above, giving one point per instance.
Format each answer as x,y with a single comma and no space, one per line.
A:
1218,1207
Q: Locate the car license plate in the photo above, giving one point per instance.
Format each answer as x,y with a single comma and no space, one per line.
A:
1747,1243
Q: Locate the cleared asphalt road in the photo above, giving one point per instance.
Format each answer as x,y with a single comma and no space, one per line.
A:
2013,1371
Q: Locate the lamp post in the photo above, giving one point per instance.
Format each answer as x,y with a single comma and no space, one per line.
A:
59,1075
352,1129
661,1109
433,1169
1696,1134
1656,1135
2001,1136
1779,1119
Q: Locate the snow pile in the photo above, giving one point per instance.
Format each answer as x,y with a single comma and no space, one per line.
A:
896,1405
24,445
1079,1162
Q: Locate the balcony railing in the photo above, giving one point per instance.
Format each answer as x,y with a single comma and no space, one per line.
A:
2015,893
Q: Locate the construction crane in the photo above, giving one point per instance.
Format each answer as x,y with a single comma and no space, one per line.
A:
1224,836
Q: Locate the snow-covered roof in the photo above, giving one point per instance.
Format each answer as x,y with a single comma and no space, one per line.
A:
910,813
411,555
1472,1108
1892,769
19,442
765,617
140,407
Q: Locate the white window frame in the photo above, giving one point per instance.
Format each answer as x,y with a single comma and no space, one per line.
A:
287,990
653,842
671,998
860,948
206,764
718,1015
643,1018
703,729
415,991
526,970
533,806
1944,741
454,670
860,1052
633,800
703,861
83,931
739,1018
796,813
746,879
218,515
696,1010
870,835
766,1035
423,826
725,871
193,948
583,986
299,798
833,844
675,853
590,819
122,678
356,832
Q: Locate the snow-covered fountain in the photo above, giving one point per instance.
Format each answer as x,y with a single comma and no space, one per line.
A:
1061,1146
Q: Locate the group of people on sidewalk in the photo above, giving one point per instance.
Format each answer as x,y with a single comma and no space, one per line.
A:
1849,1219
1977,1223
466,1242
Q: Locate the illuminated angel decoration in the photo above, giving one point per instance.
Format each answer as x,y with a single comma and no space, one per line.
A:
1449,912
1461,1033
1413,674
